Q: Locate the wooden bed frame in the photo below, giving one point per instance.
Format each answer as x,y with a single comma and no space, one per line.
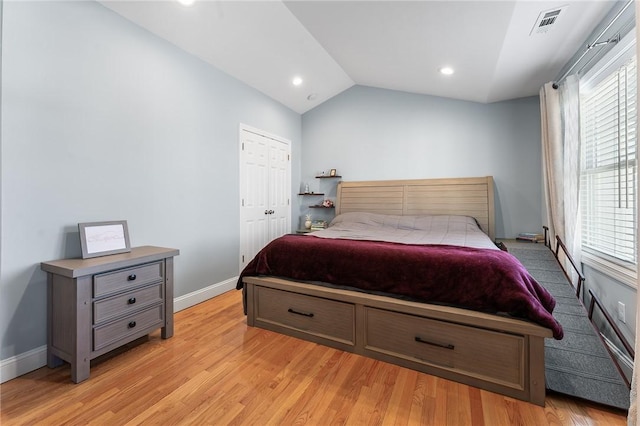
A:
492,352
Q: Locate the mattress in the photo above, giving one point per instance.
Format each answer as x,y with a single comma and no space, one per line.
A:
461,231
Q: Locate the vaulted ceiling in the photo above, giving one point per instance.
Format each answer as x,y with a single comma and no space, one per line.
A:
401,45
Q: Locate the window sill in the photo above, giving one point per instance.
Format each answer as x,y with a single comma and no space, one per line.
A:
626,276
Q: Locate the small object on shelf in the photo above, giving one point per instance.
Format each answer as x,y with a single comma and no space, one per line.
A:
318,224
307,222
327,203
530,236
333,173
306,188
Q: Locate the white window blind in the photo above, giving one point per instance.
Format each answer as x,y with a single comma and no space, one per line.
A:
608,125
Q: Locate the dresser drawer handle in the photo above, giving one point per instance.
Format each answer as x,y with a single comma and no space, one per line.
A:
132,324
132,277
131,301
426,342
304,314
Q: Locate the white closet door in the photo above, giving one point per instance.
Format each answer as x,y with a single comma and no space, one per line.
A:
279,190
254,192
265,188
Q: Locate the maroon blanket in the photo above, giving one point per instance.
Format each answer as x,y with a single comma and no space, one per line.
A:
480,279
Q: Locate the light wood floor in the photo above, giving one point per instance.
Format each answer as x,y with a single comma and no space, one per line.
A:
216,370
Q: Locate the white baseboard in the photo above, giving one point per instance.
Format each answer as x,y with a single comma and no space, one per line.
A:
624,359
26,362
199,296
18,365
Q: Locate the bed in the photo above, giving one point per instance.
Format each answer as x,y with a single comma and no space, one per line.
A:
317,287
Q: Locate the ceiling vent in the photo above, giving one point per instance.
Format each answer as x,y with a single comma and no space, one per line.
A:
547,20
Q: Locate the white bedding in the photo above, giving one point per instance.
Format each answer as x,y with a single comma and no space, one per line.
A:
437,229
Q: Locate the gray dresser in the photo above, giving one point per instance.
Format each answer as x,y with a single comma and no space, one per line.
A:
96,305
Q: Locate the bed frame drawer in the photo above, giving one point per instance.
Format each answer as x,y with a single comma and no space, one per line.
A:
491,352
485,354
320,317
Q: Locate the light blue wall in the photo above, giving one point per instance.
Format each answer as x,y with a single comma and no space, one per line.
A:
101,120
372,134
610,291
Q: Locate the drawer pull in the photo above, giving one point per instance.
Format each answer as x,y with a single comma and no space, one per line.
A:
426,342
131,301
132,324
304,314
132,277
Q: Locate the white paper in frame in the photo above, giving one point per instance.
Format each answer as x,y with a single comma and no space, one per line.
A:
104,238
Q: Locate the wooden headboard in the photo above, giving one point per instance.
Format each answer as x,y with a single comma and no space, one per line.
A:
459,196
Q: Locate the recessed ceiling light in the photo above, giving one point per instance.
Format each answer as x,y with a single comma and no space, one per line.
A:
446,70
186,2
297,81
312,96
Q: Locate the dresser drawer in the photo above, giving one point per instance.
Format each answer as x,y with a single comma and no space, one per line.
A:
109,333
114,282
493,356
313,315
125,303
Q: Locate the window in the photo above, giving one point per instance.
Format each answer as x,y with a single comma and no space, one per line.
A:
608,182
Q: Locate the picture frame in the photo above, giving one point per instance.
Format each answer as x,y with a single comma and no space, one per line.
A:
332,172
104,238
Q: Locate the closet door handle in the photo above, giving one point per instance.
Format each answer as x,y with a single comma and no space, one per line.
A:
266,212
271,212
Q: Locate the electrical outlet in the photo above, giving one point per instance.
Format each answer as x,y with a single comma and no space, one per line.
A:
621,312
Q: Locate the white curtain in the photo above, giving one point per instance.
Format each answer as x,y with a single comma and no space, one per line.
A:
552,159
560,164
570,99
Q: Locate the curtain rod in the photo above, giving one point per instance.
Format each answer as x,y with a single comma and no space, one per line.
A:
596,43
